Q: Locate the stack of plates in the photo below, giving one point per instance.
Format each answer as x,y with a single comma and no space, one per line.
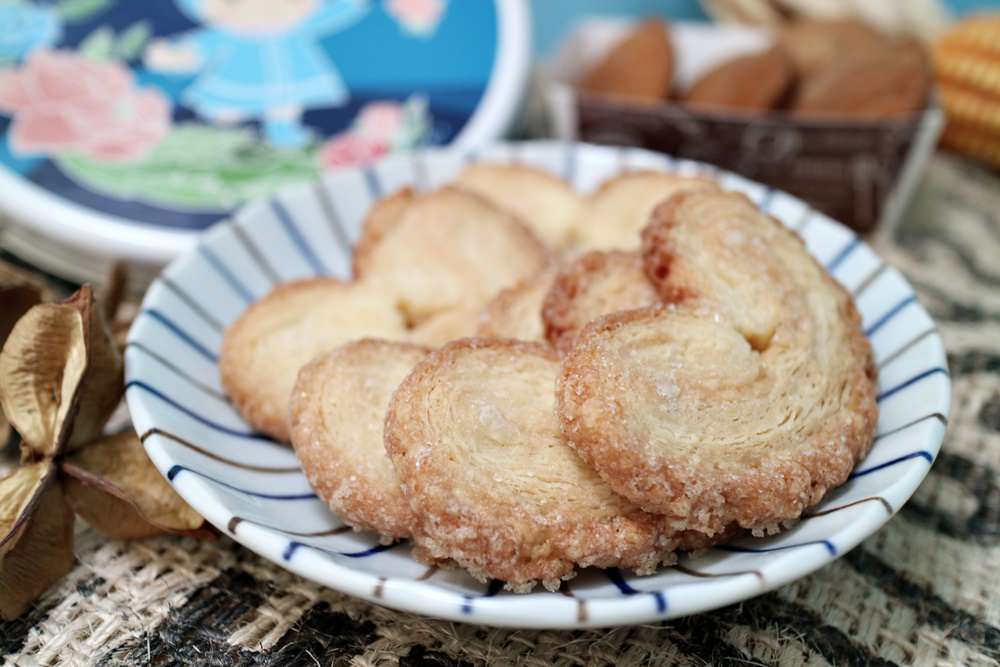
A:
128,128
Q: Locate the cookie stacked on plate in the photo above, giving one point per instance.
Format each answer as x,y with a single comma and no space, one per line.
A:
525,381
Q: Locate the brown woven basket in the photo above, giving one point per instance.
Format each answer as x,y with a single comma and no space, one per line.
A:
850,170
860,172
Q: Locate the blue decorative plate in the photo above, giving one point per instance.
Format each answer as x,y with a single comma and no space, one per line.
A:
253,489
126,127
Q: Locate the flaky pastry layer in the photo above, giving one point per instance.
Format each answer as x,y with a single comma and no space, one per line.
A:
337,411
473,435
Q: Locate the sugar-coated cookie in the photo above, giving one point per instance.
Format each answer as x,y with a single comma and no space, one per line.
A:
744,401
450,249
614,215
541,200
382,217
719,248
337,411
473,435
447,325
593,285
264,349
516,312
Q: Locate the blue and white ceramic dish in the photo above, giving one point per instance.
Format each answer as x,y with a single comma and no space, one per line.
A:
252,488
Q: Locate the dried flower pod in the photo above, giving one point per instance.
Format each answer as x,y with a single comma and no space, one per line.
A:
103,385
60,375
41,368
19,291
36,536
114,487
119,310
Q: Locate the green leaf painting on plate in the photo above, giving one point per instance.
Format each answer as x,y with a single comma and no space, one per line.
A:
132,41
99,44
197,167
81,10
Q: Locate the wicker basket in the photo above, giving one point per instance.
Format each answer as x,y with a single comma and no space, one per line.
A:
858,172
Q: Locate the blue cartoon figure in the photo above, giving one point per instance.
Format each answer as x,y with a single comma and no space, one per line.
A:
259,60
24,28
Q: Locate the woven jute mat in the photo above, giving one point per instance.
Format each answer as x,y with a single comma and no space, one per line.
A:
924,590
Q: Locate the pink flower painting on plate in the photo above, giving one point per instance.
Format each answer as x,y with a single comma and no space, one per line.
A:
379,128
62,102
348,149
380,120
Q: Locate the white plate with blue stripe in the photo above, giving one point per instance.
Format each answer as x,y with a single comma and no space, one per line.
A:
252,488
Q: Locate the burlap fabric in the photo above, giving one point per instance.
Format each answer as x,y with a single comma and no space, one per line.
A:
924,590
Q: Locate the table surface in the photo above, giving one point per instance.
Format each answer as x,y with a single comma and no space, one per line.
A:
925,589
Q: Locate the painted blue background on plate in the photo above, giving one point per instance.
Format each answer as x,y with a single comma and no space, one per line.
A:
376,58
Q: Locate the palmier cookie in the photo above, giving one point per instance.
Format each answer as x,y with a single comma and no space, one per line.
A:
688,411
337,411
450,249
447,325
615,214
473,435
264,349
383,216
590,287
516,312
541,200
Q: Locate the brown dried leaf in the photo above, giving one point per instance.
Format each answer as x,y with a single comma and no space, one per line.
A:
114,487
60,375
36,536
19,291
